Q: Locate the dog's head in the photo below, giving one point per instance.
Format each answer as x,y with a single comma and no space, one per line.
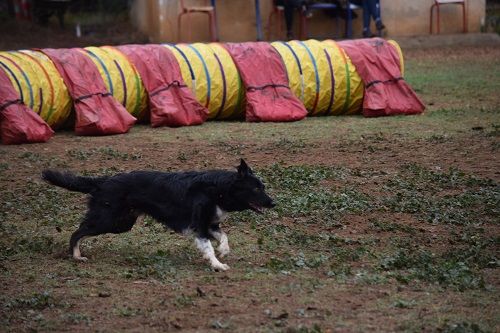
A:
248,192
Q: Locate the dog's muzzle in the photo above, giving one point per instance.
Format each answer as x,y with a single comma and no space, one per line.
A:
260,208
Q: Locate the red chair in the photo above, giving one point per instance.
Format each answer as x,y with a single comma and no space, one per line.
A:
279,28
209,10
438,3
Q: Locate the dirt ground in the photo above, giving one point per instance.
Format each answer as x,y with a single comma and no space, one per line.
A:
387,224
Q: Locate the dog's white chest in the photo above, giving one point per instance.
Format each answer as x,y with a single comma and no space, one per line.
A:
220,215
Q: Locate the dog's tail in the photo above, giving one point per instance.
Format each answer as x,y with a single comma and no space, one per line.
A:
72,182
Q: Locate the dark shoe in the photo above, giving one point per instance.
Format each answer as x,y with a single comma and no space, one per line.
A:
368,34
379,25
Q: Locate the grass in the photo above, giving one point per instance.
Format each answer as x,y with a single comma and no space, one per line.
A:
419,191
382,224
36,301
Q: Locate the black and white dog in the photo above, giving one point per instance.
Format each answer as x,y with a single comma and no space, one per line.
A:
183,201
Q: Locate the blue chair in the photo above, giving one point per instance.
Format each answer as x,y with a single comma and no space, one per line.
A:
304,34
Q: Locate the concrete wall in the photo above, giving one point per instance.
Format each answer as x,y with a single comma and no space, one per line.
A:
411,17
236,20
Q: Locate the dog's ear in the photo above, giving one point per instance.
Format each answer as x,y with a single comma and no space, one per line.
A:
244,169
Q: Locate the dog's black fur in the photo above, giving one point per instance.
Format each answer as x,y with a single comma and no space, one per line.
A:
179,200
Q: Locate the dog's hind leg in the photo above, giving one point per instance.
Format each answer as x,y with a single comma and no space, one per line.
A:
221,237
75,242
204,245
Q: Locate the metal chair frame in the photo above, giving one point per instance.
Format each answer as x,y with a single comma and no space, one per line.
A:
438,3
188,10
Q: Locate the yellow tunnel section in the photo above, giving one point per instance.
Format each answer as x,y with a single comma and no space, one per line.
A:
209,71
120,77
42,89
38,83
322,76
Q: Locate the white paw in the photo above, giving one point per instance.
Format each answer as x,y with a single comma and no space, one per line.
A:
82,259
223,250
220,267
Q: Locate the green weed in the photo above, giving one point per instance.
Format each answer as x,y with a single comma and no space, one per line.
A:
418,191
38,301
182,301
404,304
158,265
299,177
107,153
31,157
4,167
462,327
423,265
126,311
382,225
29,244
76,318
315,328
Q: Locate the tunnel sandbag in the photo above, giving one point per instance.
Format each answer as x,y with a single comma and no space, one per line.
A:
171,101
39,84
121,78
268,93
386,92
97,111
211,74
18,123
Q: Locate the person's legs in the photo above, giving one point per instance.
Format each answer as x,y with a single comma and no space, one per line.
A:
366,19
290,7
372,7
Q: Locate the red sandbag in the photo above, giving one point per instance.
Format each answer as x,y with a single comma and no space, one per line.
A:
97,111
171,102
18,123
268,93
386,92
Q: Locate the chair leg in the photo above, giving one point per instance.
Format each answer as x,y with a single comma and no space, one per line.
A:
303,32
430,24
188,17
339,34
216,27
269,25
437,16
179,21
213,32
464,17
279,29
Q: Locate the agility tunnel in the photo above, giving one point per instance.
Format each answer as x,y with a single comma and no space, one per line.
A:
105,90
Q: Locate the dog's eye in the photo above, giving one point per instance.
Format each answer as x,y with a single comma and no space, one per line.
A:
257,190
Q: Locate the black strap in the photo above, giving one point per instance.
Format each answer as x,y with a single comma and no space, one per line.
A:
168,86
9,103
79,99
396,79
250,88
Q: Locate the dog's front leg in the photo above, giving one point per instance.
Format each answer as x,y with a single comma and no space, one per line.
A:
204,245
221,237
200,220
